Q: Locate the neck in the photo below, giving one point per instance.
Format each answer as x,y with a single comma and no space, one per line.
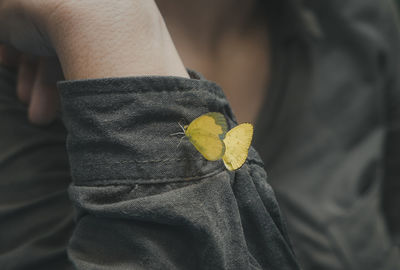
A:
208,21
228,43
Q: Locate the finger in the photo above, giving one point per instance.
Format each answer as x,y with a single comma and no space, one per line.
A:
8,56
26,76
45,102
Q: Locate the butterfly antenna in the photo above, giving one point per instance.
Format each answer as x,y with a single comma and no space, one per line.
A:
183,129
180,141
177,133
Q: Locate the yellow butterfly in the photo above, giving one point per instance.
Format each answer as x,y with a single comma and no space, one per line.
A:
208,133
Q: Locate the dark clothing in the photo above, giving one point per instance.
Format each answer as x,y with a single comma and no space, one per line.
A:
141,201
36,218
328,134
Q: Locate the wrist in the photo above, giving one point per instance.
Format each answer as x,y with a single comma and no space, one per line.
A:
97,39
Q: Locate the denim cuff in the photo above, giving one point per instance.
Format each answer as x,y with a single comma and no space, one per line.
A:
119,129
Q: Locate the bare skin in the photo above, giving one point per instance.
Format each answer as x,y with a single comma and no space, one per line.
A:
130,39
219,39
81,40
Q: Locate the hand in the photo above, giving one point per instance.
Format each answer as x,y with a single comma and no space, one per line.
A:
36,83
89,38
30,52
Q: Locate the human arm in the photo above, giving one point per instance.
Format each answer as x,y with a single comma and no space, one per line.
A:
114,40
143,202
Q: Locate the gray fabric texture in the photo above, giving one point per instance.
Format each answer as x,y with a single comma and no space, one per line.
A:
141,199
328,135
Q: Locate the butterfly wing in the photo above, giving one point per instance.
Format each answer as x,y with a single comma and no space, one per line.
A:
237,143
208,144
213,122
206,133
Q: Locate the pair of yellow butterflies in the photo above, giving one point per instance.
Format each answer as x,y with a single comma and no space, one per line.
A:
210,136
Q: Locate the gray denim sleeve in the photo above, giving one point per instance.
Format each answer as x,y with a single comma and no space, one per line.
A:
144,200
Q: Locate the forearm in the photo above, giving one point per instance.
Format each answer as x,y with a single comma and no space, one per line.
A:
118,39
146,200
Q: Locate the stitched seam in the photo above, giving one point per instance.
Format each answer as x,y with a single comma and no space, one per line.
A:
123,182
147,161
129,178
250,161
